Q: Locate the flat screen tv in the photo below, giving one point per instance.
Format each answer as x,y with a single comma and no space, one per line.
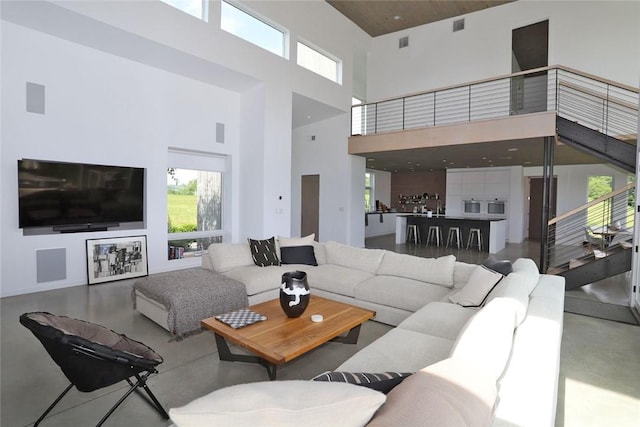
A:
77,196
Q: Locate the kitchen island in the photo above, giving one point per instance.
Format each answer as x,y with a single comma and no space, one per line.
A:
493,230
379,223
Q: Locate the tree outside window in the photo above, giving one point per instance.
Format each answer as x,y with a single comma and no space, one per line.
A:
194,211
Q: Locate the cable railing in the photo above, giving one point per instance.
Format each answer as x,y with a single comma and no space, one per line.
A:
605,106
593,230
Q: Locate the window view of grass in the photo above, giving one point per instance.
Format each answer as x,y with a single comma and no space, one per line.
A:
182,212
603,213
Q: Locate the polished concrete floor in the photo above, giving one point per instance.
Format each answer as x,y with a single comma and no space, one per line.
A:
599,378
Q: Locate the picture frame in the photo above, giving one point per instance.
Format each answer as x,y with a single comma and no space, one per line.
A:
116,258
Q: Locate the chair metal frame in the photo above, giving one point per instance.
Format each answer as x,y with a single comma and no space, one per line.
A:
125,365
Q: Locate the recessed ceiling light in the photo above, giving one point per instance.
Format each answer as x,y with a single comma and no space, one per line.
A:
397,17
371,160
512,149
444,161
489,161
527,163
484,158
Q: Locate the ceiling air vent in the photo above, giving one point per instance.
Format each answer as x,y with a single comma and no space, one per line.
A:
403,42
458,25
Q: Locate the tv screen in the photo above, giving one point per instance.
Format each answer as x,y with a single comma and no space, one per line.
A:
68,194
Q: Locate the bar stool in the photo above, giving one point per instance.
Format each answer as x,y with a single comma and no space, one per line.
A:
454,233
474,232
434,233
412,230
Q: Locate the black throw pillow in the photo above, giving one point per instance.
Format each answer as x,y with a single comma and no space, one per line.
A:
264,252
298,255
383,382
503,267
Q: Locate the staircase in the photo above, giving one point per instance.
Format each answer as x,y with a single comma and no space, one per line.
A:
593,241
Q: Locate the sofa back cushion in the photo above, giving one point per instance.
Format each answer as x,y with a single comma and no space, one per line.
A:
461,273
357,258
438,271
487,338
450,393
320,252
514,290
223,257
529,271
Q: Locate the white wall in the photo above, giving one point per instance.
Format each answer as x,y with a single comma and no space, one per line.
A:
327,156
102,109
596,37
108,100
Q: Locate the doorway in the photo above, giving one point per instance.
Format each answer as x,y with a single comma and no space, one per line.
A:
530,50
536,186
310,209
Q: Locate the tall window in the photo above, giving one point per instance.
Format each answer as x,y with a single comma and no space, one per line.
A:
357,118
254,30
197,8
319,63
195,202
368,191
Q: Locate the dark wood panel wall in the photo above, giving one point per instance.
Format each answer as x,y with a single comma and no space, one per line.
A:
414,183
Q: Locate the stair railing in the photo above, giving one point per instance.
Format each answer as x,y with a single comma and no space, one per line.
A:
592,230
600,104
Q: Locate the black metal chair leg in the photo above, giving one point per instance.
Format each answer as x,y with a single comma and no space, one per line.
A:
142,382
150,398
55,402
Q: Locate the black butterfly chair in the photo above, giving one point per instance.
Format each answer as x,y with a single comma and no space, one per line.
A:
92,357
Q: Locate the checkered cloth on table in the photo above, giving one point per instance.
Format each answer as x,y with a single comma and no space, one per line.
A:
239,318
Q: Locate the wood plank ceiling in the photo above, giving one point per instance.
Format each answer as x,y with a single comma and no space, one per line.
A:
380,17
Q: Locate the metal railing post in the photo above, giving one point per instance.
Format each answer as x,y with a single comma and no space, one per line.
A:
469,102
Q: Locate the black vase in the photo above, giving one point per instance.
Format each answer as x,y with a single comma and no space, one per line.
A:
294,293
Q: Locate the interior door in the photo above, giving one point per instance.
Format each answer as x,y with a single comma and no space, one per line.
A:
536,206
310,210
530,50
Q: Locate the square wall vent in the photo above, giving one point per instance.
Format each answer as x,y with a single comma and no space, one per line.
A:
403,42
458,25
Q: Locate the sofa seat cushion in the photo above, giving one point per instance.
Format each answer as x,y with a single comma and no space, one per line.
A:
399,350
432,270
334,278
450,393
281,403
440,319
399,292
261,279
356,258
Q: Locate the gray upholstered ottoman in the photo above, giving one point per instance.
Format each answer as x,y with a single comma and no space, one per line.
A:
179,300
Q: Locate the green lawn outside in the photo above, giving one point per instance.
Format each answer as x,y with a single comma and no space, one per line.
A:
182,209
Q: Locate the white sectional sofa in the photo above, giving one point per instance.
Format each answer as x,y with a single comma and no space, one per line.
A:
494,364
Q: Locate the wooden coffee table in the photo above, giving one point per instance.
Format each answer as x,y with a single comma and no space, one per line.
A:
280,339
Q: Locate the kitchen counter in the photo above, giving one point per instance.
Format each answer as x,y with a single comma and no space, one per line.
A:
379,223
493,230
